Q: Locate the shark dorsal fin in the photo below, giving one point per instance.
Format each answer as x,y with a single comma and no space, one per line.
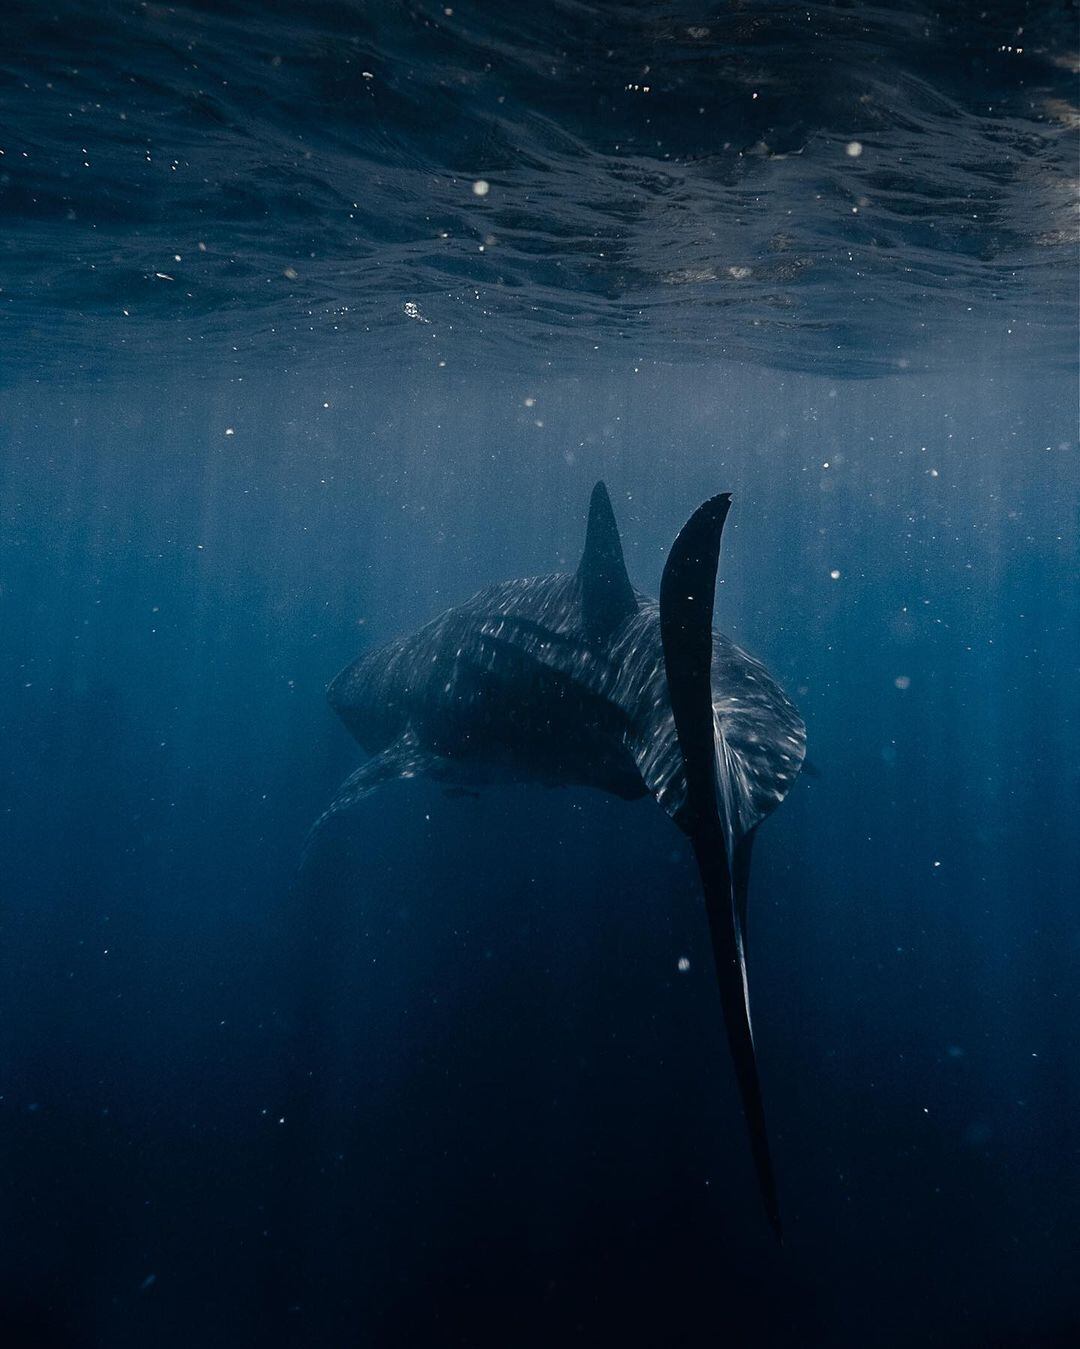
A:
607,597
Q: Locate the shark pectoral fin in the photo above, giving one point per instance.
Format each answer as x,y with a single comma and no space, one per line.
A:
687,592
607,597
403,759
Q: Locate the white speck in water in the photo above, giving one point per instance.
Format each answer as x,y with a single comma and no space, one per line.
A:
481,187
854,149
684,964
229,431
902,682
834,574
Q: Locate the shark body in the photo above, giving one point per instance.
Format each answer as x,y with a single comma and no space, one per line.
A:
579,680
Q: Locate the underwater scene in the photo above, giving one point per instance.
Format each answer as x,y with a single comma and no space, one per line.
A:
539,674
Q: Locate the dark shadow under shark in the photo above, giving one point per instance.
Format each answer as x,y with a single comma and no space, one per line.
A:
581,681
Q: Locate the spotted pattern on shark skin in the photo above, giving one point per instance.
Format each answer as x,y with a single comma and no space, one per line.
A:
763,734
452,666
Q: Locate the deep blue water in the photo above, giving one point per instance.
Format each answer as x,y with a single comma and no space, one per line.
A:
447,1087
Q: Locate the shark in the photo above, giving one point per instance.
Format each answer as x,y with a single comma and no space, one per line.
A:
578,679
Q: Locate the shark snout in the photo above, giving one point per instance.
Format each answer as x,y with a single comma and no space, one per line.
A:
337,691
363,697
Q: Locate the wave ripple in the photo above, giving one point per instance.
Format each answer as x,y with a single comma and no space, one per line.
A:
829,186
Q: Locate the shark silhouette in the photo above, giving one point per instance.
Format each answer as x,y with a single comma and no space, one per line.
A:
580,680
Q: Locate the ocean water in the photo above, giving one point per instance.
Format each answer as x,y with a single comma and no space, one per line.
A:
316,319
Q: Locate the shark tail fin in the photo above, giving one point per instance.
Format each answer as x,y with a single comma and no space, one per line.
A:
687,592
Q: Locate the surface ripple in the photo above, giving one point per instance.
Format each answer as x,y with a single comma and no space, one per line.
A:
837,187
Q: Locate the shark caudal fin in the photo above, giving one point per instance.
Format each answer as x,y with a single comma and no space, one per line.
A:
687,591
607,597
